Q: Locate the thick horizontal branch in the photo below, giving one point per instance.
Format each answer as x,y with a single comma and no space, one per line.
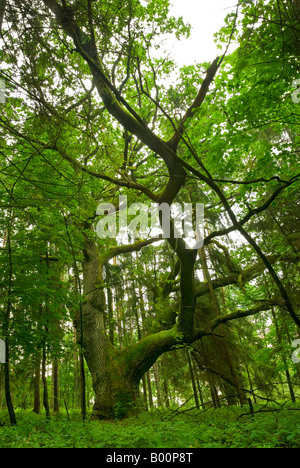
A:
142,355
123,249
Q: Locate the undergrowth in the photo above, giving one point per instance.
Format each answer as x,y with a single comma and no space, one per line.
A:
223,428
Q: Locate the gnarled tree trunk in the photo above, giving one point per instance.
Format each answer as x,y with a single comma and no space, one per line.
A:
116,374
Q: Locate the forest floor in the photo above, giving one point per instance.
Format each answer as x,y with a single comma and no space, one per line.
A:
222,428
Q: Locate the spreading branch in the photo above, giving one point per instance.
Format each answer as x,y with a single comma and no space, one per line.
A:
221,319
123,249
116,105
250,273
210,75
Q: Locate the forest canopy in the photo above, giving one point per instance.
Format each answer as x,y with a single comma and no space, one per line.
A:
93,110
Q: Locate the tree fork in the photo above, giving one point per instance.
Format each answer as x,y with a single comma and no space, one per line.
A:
238,227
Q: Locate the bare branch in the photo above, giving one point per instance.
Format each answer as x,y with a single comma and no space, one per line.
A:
210,74
265,305
247,275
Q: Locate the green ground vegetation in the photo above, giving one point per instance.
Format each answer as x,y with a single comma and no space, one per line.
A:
222,428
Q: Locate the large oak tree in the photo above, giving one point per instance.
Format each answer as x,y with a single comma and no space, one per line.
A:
88,96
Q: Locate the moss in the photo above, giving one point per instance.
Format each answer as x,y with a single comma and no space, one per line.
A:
125,368
139,358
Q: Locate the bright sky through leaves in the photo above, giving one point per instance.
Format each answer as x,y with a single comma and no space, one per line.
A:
206,18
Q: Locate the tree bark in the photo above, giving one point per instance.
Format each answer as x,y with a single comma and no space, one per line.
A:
283,357
6,330
36,383
44,379
193,379
157,383
90,327
2,12
149,387
55,385
116,374
110,305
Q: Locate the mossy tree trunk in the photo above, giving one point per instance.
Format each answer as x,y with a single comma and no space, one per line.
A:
116,374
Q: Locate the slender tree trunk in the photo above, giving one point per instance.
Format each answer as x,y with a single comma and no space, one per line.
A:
118,318
55,385
44,379
209,377
213,390
250,384
6,330
76,394
82,386
290,384
145,397
36,383
200,393
81,329
10,407
157,383
166,393
2,386
110,305
193,379
150,394
287,373
2,11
